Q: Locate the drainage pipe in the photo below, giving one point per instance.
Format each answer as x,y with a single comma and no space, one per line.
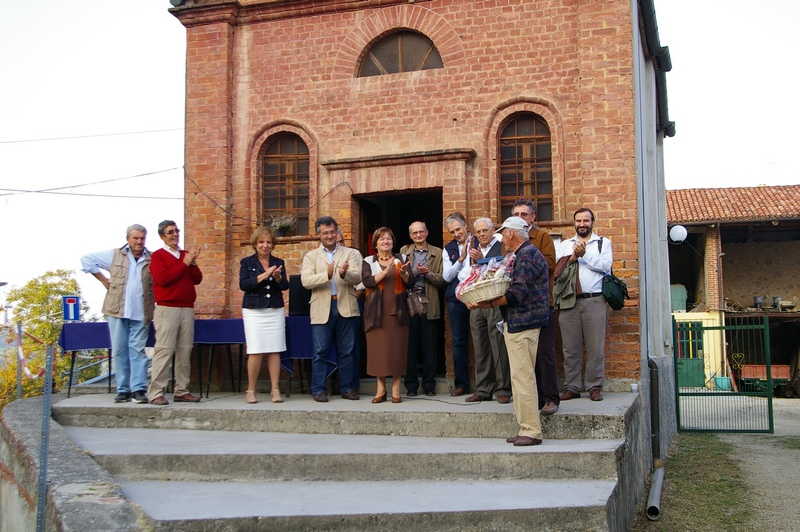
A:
653,510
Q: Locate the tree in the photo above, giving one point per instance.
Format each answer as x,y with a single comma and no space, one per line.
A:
37,307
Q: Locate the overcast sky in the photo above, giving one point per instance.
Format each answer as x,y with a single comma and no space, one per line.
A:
113,73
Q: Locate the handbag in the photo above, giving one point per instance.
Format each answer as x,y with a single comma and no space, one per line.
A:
417,303
615,291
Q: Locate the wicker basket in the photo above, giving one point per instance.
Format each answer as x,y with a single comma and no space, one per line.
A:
485,290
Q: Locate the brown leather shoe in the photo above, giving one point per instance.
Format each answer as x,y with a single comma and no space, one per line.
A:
512,439
595,395
569,394
321,397
379,398
186,398
475,398
397,399
503,399
524,441
159,401
549,408
458,392
351,395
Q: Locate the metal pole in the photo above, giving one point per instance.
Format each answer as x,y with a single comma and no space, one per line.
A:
43,447
19,360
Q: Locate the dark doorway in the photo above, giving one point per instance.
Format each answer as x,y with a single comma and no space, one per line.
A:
398,210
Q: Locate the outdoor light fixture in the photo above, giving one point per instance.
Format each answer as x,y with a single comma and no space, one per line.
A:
678,234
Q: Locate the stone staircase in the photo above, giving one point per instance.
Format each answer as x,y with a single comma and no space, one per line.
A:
425,464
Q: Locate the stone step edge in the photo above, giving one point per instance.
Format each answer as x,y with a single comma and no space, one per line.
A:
439,505
414,423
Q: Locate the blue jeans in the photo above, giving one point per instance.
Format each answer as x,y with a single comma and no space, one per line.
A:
128,340
459,327
344,330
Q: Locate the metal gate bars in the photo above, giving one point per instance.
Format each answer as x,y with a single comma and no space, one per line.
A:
722,373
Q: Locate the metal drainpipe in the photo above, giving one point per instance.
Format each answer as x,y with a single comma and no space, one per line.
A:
653,509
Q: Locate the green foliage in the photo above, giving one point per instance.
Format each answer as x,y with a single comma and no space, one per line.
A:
37,307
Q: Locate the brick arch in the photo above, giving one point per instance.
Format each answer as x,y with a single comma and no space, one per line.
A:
384,21
258,144
501,115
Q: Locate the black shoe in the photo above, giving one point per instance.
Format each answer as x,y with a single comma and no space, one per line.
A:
430,393
140,398
411,394
123,397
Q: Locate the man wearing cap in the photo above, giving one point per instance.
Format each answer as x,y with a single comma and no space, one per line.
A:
128,307
525,309
332,272
453,260
585,322
546,371
492,376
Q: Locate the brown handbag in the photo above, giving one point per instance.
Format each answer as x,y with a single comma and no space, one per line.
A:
417,303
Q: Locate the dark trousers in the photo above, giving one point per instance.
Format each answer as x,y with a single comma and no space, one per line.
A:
421,341
459,327
546,371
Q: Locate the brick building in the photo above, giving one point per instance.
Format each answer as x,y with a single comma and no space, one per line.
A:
382,112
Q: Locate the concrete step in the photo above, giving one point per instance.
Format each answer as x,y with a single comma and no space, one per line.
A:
508,505
440,416
186,455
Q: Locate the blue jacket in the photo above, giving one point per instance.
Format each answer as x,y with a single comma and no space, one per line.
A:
528,296
266,294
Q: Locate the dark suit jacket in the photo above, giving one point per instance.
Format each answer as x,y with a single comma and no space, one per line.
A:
266,294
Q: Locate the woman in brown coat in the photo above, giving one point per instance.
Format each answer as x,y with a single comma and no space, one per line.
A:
386,313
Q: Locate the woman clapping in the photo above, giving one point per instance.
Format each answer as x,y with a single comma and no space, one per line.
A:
263,279
386,314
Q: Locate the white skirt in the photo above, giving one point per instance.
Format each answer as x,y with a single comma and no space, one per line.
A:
264,330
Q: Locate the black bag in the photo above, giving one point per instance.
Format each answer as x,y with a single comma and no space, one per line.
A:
615,291
417,303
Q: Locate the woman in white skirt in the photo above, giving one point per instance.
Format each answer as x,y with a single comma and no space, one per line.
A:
263,279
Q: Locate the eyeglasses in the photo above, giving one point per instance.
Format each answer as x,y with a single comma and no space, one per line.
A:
172,232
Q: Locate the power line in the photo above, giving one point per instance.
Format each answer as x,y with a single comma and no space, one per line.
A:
16,192
89,195
91,136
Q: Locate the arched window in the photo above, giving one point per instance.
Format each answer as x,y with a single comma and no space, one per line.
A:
404,51
526,169
284,189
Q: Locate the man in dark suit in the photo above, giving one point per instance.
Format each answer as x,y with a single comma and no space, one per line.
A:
456,254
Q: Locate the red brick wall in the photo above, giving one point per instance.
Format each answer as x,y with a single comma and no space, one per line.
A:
276,66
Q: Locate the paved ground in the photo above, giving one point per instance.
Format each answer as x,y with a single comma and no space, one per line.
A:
771,469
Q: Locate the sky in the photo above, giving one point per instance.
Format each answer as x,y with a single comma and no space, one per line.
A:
92,103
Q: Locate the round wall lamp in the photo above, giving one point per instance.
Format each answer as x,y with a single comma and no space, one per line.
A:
677,234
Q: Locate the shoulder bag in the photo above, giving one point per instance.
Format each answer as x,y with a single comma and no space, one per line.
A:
615,291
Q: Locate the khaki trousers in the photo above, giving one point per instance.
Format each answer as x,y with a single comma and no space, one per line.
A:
174,335
522,348
584,324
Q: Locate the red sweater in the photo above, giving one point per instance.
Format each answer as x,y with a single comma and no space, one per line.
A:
173,280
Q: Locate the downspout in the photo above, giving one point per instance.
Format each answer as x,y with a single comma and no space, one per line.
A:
661,61
653,508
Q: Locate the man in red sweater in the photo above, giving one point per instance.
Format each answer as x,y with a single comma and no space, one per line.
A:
175,274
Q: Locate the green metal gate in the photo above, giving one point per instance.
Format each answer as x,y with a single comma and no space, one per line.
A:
722,373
